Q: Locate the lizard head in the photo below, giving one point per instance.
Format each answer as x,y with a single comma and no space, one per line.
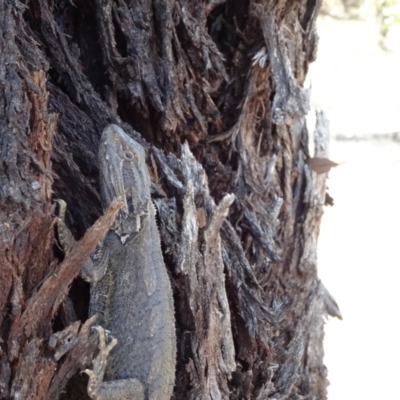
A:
124,174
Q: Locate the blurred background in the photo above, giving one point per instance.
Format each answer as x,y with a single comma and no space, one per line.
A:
356,80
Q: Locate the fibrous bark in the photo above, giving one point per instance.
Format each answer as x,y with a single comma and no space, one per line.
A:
216,91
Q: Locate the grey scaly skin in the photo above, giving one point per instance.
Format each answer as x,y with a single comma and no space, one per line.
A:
130,291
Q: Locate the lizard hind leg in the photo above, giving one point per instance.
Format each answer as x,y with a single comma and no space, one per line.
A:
123,389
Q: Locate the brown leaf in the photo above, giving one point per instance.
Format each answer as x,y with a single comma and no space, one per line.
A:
321,165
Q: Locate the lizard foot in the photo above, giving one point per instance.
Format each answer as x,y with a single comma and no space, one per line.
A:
123,389
99,363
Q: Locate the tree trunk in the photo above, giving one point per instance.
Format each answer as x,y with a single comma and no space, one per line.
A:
215,91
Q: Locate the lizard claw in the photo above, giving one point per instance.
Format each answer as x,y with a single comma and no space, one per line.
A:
100,361
104,334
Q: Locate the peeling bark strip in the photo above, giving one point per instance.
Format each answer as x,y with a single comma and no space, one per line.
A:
228,78
40,309
290,99
205,309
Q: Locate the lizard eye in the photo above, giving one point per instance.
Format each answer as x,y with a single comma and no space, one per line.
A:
129,155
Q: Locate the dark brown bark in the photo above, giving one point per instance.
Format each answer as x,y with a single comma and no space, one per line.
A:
224,76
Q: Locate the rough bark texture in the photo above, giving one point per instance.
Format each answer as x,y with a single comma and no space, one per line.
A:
216,91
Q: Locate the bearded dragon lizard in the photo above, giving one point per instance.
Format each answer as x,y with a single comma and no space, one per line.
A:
130,288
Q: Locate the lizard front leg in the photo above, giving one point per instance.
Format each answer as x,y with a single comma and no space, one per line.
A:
96,266
65,237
